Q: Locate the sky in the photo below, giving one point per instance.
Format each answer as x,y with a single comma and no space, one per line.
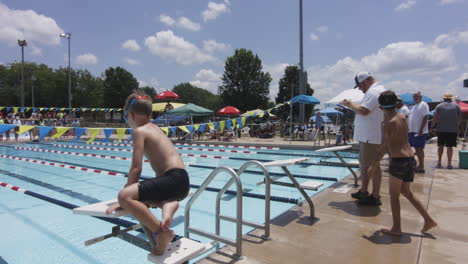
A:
407,45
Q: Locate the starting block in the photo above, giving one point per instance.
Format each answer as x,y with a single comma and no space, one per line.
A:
178,251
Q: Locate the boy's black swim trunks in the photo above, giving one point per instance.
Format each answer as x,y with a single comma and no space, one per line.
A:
174,185
403,168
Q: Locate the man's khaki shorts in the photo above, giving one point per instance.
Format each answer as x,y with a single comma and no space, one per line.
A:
368,153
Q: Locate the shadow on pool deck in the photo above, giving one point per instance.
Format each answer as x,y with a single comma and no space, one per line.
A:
345,232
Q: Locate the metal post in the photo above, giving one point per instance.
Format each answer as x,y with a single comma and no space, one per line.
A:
33,78
291,114
69,77
301,64
22,44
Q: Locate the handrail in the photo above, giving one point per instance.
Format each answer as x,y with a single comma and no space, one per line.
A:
266,226
238,241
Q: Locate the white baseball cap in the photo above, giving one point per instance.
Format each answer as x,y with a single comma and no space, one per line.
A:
361,77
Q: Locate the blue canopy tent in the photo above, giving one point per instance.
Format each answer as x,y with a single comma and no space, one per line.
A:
330,111
326,119
408,98
302,99
169,119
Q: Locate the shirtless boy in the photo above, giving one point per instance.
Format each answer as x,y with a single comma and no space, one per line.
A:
402,163
171,183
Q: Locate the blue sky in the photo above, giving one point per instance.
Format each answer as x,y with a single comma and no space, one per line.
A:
408,45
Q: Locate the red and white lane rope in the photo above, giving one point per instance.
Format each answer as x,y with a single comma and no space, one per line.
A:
86,147
111,157
225,146
191,144
14,188
129,150
61,165
219,150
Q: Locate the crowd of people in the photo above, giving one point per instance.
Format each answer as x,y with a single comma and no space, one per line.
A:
383,125
36,118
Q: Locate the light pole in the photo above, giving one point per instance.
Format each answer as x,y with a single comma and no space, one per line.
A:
68,36
33,79
22,44
301,64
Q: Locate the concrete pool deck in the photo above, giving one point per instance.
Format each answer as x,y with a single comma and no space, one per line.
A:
345,232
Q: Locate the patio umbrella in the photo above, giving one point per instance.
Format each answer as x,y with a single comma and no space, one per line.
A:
408,98
167,95
228,111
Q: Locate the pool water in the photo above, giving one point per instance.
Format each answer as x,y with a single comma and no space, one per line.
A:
38,231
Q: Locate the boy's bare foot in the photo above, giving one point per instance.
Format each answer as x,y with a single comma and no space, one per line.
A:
112,208
163,240
428,225
168,211
391,232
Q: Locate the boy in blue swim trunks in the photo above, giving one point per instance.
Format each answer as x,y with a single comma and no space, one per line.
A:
171,183
402,163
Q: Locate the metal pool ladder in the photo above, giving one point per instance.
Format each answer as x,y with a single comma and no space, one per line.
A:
217,236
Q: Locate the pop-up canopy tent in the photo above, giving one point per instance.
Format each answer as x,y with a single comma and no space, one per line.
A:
190,110
169,119
354,95
407,98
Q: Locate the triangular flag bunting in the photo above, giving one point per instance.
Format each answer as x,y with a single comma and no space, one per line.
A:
165,130
183,128
93,133
79,131
44,131
23,129
120,133
60,131
108,133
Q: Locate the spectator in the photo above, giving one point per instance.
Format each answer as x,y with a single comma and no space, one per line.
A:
418,131
368,132
17,122
447,118
402,108
318,121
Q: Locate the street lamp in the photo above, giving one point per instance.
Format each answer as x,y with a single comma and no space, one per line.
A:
67,35
33,79
22,44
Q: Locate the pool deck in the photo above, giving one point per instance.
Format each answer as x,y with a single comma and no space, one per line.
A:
345,232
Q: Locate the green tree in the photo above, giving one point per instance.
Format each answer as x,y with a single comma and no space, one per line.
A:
290,83
148,91
245,85
89,90
192,94
118,85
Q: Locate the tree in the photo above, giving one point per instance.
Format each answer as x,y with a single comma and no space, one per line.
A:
118,85
191,94
245,85
290,83
89,90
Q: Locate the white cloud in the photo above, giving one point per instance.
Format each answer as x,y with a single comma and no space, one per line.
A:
207,79
313,36
405,5
131,44
132,61
182,22
28,25
211,46
153,82
448,2
322,29
451,39
167,45
401,66
35,50
276,72
87,59
167,20
214,10
188,24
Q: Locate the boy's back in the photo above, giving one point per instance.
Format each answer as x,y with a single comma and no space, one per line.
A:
396,134
157,147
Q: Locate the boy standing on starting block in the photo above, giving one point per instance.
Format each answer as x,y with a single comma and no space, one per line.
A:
402,163
171,183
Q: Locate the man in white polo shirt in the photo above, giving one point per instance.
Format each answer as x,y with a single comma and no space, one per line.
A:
367,130
418,128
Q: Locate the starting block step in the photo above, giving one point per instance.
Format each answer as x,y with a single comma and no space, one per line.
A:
180,251
99,209
311,185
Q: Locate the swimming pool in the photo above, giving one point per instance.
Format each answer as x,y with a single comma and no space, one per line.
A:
76,174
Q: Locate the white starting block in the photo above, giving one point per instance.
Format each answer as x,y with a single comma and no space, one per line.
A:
284,163
335,151
177,252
